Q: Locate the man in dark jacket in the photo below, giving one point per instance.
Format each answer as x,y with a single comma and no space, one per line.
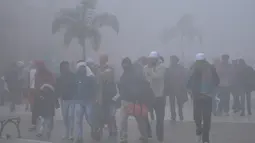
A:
246,79
175,86
84,97
65,89
133,89
202,83
14,85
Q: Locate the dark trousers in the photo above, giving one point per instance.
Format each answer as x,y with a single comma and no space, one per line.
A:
202,114
172,107
159,107
237,103
224,95
247,96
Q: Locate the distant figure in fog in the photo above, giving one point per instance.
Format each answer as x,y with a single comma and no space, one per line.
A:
134,91
246,79
235,86
14,85
42,76
108,89
224,71
155,74
66,89
202,83
175,86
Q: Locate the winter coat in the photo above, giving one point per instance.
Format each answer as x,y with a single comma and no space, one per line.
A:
66,86
175,82
135,88
195,80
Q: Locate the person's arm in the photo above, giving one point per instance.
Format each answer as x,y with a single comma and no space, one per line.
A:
157,73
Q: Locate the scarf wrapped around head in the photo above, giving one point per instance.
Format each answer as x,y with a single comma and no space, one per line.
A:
81,63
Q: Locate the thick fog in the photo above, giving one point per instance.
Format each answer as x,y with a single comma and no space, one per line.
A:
227,27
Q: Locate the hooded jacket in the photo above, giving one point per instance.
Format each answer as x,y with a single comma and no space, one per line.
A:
195,81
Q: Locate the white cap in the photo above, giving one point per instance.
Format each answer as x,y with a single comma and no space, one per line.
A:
153,54
200,56
20,63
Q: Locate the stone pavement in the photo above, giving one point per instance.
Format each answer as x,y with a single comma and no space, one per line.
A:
231,129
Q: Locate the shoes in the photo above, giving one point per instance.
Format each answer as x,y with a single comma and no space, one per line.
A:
199,139
181,118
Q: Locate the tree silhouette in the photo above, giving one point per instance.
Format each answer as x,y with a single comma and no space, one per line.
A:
183,29
81,23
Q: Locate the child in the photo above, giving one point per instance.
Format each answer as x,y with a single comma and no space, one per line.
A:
47,106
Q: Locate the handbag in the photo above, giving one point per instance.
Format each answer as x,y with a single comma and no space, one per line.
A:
135,109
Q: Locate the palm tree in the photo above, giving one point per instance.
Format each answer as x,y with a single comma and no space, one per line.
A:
183,29
79,23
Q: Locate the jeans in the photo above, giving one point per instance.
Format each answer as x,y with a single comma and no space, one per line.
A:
224,95
172,99
247,96
81,110
141,122
46,125
159,107
202,113
68,117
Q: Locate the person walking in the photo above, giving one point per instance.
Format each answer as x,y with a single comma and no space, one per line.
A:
175,86
84,97
202,82
155,74
65,89
136,96
247,78
41,76
108,89
224,70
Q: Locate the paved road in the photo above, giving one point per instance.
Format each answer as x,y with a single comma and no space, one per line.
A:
232,129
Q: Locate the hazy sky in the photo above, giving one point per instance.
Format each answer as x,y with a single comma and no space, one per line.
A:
226,25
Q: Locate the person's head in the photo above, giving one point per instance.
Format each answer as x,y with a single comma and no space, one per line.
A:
200,57
234,62
174,60
153,58
64,67
20,64
103,59
40,66
225,58
126,64
241,62
143,60
81,68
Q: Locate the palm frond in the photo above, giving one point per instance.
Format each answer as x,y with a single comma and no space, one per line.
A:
170,34
106,19
95,37
68,36
61,21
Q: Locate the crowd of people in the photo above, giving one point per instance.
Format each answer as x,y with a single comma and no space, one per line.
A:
91,91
